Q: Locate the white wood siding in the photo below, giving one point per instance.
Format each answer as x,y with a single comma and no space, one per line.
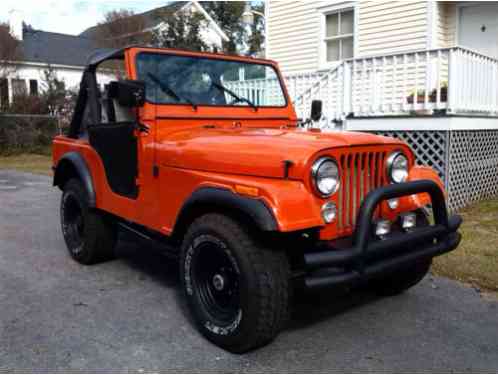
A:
294,34
391,26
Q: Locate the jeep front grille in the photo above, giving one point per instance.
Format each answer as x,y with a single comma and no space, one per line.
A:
361,172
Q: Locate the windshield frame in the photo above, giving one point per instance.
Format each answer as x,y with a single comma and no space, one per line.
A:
200,55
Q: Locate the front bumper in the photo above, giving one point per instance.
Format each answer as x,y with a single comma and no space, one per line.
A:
368,258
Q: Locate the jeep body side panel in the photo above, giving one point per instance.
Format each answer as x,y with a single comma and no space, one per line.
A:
130,208
288,201
105,198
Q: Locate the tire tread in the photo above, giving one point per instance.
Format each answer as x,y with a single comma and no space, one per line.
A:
100,234
272,271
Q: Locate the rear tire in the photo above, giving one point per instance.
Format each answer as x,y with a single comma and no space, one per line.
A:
237,290
90,236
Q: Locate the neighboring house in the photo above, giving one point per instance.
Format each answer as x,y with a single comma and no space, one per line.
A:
424,71
68,54
210,32
65,54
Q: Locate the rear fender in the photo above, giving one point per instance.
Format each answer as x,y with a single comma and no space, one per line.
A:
73,164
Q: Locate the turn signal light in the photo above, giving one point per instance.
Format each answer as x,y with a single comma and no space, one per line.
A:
247,190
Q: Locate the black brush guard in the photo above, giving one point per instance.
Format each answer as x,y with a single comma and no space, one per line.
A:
368,258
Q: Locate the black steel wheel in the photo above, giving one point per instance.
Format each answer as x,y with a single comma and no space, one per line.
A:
90,236
237,290
216,276
73,222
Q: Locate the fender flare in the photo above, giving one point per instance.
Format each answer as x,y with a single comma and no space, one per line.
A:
75,160
256,209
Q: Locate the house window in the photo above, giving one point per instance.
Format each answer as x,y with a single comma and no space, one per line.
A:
4,92
338,39
33,87
18,87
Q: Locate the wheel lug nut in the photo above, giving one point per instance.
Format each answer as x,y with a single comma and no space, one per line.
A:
218,282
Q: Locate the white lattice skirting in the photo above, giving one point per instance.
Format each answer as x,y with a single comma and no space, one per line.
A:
466,160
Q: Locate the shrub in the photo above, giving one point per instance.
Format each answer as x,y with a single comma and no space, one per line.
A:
26,134
30,122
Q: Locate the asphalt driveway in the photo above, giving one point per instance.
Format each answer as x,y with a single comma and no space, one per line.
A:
129,314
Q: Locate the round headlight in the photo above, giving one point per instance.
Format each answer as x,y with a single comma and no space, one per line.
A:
325,176
397,167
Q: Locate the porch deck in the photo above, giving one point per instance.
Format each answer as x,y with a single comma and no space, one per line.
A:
447,80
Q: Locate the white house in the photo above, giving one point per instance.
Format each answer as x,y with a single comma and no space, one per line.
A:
68,54
424,71
377,54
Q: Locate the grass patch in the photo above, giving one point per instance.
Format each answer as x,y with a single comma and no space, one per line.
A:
33,163
475,261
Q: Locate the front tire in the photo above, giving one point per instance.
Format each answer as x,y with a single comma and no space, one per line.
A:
398,282
237,290
90,236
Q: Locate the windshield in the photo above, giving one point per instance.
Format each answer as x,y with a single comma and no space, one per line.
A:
173,79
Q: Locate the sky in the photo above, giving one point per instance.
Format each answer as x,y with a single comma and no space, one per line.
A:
70,16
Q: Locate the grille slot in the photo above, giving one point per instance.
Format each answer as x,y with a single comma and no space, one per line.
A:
361,172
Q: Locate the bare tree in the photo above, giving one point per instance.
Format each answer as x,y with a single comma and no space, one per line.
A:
9,53
9,50
120,28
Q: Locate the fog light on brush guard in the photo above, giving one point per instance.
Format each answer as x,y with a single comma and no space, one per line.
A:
408,221
382,228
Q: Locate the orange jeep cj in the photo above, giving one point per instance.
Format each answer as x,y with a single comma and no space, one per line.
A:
204,154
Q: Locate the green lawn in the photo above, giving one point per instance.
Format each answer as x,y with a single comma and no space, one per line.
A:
474,262
34,163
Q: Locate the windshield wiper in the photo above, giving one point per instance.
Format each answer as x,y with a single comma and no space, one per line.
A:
238,99
169,91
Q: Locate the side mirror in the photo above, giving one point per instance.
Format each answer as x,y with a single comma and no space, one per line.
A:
316,110
128,93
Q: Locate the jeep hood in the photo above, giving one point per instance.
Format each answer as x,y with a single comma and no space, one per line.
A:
255,152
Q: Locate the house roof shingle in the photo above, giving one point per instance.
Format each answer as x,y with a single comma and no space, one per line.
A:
54,48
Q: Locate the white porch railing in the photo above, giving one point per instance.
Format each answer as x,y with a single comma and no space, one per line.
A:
332,87
455,80
473,81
